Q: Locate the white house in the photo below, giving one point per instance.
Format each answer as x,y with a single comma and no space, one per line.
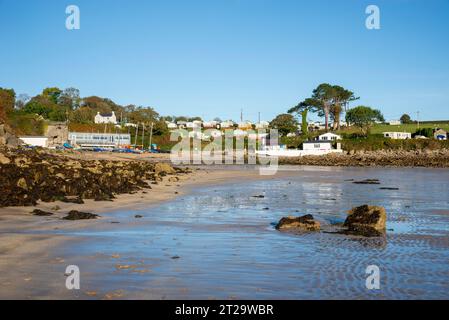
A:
133,125
240,133
106,118
262,125
226,124
394,122
329,137
171,125
245,125
398,135
210,124
35,141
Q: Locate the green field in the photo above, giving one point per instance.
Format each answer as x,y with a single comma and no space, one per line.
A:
381,128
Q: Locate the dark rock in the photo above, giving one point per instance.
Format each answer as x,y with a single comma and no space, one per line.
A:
260,196
41,213
72,199
368,181
138,216
388,188
304,223
368,221
77,215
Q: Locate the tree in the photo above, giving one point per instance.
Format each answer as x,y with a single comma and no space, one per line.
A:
22,100
323,97
341,99
52,94
285,124
7,101
302,109
363,117
405,119
70,98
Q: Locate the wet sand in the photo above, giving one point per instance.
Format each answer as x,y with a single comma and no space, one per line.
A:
215,240
27,242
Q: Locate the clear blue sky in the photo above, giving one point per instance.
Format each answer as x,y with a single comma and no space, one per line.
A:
213,57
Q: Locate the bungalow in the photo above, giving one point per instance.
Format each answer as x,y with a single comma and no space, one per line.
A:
329,137
106,118
171,125
210,124
262,125
394,122
245,125
398,135
227,124
440,134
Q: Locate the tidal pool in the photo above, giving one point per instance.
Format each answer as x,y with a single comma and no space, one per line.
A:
219,242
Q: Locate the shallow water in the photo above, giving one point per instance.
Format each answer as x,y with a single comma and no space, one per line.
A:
219,242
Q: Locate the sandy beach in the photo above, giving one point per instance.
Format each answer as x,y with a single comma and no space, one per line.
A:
27,241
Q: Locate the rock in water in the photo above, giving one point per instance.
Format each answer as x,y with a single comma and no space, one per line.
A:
77,215
41,213
368,221
304,223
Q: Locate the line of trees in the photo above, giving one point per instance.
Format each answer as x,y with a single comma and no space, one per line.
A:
55,104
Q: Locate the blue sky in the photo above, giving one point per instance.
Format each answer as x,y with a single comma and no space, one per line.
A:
213,57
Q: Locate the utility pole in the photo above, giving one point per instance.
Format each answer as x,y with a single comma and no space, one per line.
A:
259,117
151,135
137,133
143,135
417,113
241,115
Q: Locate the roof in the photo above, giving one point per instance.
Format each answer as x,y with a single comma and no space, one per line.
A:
105,115
319,141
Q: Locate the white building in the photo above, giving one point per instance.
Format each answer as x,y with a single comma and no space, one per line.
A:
394,122
171,125
35,141
262,125
245,125
99,140
226,124
210,124
106,118
398,135
329,137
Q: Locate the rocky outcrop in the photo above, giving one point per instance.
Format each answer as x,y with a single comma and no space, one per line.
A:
7,137
28,176
368,221
77,215
381,158
304,223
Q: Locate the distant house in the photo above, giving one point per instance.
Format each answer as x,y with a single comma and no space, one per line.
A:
394,122
262,125
440,134
226,124
210,124
181,124
245,125
106,118
329,137
171,125
133,125
321,146
398,135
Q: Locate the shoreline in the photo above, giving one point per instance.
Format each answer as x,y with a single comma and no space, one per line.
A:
28,243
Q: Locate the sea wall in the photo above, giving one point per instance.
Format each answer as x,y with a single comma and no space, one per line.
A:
383,158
